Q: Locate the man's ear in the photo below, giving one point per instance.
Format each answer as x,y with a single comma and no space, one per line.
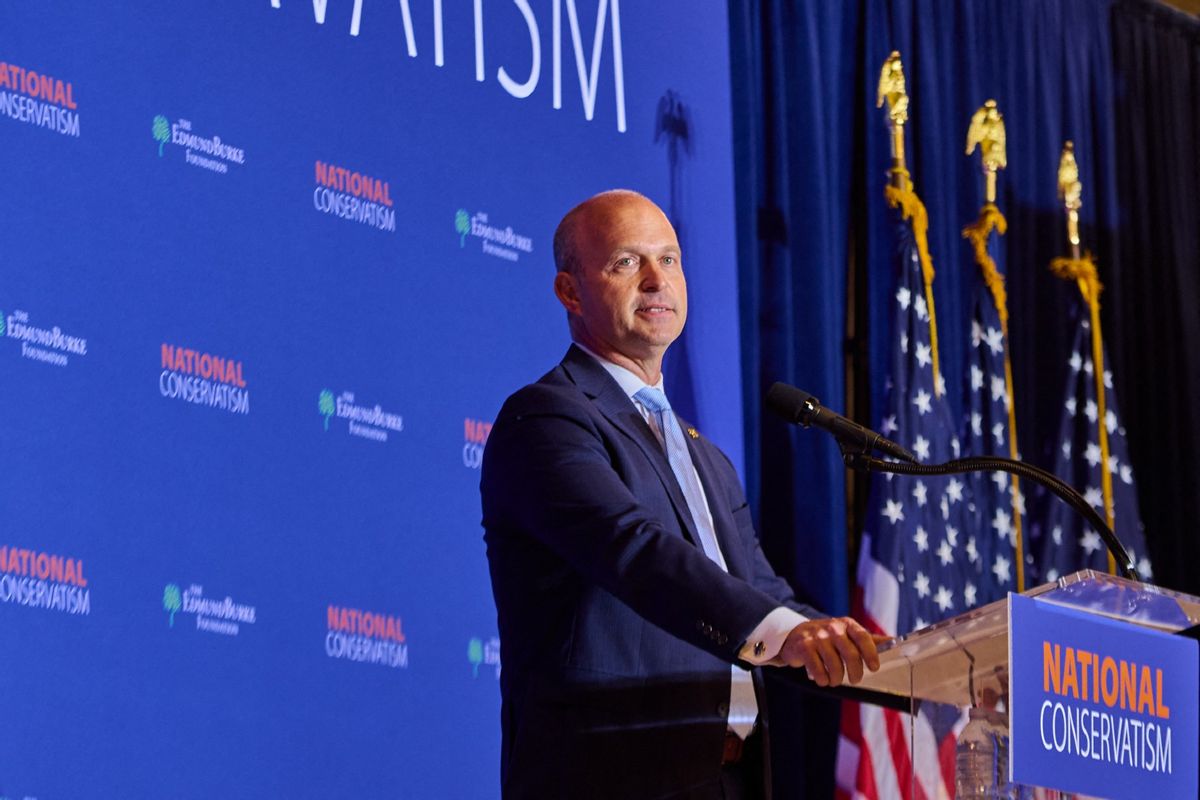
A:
567,291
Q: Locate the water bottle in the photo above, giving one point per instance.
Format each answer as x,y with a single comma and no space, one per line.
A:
975,759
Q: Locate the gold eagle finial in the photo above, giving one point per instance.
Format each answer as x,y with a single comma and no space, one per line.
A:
1070,191
987,132
891,88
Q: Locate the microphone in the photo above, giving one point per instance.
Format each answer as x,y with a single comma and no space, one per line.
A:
801,408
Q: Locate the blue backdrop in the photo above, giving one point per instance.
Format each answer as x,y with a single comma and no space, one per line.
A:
267,270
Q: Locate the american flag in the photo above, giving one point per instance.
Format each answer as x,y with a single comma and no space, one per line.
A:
918,561
1063,540
996,512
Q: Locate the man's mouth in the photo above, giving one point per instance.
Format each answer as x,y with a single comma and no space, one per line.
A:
656,308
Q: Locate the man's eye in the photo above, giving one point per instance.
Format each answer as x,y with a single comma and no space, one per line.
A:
626,261
670,260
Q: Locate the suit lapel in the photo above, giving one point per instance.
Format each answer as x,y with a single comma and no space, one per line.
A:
718,505
617,408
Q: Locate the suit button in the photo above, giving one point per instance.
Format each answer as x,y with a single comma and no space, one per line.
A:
723,709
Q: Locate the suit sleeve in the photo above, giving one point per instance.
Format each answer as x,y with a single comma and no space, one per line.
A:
548,474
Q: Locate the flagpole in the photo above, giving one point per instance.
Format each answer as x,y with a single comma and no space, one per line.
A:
1082,268
899,191
988,133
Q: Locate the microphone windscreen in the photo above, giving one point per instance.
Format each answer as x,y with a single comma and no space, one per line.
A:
789,402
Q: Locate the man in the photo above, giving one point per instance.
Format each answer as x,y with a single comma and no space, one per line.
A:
626,571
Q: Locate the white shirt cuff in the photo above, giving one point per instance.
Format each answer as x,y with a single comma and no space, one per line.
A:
766,640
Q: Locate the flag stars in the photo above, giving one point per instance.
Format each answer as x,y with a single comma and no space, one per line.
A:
972,550
1001,480
1107,379
1094,497
1126,473
924,354
921,584
921,309
976,378
1110,420
976,334
1090,541
995,341
945,505
1066,448
1056,535
1072,406
940,382
1076,361
921,539
904,343
969,594
944,599
1143,568
1113,465
919,493
904,297
893,511
1002,522
945,553
1090,411
921,401
1020,500
1088,368
998,433
1000,569
921,448
952,535
889,424
998,390
954,490
1092,454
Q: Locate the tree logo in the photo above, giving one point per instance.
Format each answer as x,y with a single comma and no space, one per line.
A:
475,655
162,132
462,224
172,602
325,405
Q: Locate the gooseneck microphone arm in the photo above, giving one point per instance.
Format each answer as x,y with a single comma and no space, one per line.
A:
800,408
961,466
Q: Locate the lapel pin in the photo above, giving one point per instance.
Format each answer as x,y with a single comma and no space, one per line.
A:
692,432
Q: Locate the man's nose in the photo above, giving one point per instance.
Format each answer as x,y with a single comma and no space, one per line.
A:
653,275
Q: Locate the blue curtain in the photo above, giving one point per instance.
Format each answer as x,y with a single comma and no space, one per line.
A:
1120,78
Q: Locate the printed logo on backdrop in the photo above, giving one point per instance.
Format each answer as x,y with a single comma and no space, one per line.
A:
367,637
49,345
35,579
367,422
607,37
203,150
486,653
203,379
224,617
475,436
500,242
354,197
37,99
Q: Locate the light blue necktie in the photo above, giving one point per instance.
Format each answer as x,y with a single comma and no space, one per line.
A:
743,706
685,472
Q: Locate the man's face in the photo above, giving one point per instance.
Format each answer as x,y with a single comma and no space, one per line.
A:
628,295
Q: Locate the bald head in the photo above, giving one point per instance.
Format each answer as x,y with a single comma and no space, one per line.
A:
620,279
592,212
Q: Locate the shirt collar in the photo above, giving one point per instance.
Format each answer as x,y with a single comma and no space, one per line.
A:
630,384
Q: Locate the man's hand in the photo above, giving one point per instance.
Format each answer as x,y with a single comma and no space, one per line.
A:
831,650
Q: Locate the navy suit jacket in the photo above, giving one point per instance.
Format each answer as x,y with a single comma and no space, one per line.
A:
616,630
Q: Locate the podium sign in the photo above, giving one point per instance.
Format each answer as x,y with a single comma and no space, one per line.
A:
1099,706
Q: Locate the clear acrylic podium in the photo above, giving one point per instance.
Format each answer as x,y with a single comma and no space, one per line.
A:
964,661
